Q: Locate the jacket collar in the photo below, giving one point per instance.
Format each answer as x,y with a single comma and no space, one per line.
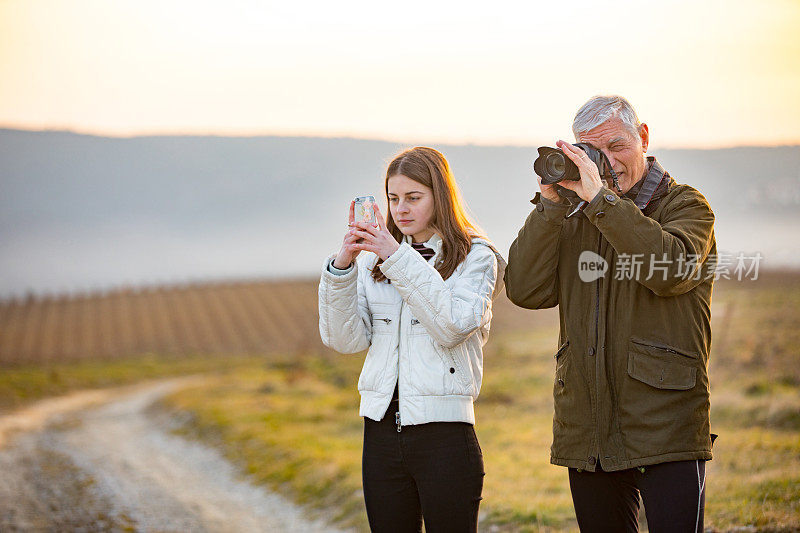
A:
656,182
434,243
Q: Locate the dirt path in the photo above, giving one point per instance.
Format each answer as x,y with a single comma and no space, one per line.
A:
97,460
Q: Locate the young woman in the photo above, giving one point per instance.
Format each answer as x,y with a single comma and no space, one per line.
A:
420,299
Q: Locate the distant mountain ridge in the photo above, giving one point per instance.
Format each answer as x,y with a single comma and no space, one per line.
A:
80,211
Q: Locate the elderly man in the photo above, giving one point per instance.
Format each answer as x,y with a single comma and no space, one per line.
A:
632,275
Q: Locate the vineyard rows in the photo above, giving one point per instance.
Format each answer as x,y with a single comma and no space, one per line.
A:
213,318
208,318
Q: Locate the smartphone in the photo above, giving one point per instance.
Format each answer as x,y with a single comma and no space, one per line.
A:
364,211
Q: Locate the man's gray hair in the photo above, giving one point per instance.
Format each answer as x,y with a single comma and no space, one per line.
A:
601,108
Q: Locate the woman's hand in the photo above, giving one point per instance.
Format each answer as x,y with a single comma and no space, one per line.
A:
376,239
348,252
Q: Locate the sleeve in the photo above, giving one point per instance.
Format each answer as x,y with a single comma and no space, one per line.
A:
672,252
338,271
531,276
345,323
449,314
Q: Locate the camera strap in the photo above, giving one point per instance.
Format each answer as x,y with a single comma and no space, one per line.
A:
614,179
651,182
655,176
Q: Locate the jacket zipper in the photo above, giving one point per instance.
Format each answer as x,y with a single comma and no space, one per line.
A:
611,388
397,413
561,350
659,347
397,420
597,298
414,322
596,338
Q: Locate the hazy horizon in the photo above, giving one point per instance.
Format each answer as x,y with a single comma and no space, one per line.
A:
85,212
387,139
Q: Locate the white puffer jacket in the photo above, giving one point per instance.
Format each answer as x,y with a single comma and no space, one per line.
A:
428,330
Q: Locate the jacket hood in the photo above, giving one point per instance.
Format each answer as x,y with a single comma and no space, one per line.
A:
435,244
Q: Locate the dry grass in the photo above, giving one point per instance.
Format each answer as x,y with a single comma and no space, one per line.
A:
292,423
295,425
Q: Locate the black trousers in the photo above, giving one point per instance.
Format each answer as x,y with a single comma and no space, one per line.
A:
430,470
673,495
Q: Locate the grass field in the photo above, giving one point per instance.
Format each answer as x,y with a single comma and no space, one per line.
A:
23,384
290,419
293,424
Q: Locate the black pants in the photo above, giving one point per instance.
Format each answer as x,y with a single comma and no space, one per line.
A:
673,495
430,470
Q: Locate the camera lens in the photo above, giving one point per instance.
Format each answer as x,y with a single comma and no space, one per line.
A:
555,164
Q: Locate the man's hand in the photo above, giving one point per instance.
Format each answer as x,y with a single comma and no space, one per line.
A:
549,191
590,183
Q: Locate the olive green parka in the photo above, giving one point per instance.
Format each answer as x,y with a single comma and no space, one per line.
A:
631,381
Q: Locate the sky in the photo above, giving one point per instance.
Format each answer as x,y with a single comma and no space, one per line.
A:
700,73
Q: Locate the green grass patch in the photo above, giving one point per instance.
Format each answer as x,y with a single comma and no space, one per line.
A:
22,384
293,425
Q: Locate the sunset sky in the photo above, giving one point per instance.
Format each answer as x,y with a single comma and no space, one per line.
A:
701,73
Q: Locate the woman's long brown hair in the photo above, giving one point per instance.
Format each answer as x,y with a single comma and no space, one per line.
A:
450,219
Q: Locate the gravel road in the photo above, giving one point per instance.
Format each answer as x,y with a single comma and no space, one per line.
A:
99,461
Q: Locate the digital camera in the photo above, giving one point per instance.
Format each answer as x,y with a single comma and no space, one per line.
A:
554,166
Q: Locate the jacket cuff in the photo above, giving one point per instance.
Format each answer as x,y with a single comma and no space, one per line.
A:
338,271
604,200
552,212
343,278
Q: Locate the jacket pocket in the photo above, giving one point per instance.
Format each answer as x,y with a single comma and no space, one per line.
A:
383,325
570,402
657,348
560,369
662,367
561,350
416,327
376,363
379,356
454,361
662,406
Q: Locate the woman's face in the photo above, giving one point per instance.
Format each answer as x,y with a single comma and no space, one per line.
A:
411,207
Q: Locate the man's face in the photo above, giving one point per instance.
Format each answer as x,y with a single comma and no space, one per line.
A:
624,149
